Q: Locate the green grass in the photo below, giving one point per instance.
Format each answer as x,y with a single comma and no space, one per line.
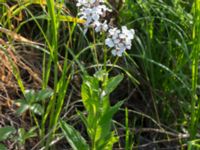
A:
195,109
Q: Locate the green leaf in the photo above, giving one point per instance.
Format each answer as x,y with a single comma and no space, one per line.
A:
90,93
37,109
29,95
5,132
110,112
113,83
106,120
74,138
2,147
104,137
85,92
43,94
107,142
92,82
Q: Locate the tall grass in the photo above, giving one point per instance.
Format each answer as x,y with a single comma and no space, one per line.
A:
195,109
162,53
52,32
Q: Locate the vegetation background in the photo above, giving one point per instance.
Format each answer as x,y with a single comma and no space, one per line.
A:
44,50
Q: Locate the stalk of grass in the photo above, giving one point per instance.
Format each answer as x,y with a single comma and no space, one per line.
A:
63,81
53,39
60,84
195,109
127,144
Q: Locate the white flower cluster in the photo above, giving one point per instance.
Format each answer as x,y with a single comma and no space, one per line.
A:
119,40
93,11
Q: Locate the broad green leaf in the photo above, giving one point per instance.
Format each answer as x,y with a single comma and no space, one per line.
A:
106,120
92,82
105,103
107,142
110,112
30,95
113,83
37,109
112,140
5,132
90,93
76,141
85,92
2,147
43,94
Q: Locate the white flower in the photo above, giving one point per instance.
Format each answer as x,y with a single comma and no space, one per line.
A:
119,40
101,26
92,11
117,52
109,42
95,17
129,34
113,31
90,15
85,3
104,8
114,52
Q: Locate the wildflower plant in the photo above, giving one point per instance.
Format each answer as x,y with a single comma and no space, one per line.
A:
95,90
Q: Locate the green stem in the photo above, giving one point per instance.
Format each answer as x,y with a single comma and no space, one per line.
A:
195,59
53,38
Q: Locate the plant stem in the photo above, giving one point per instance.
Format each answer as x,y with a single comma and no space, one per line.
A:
195,109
